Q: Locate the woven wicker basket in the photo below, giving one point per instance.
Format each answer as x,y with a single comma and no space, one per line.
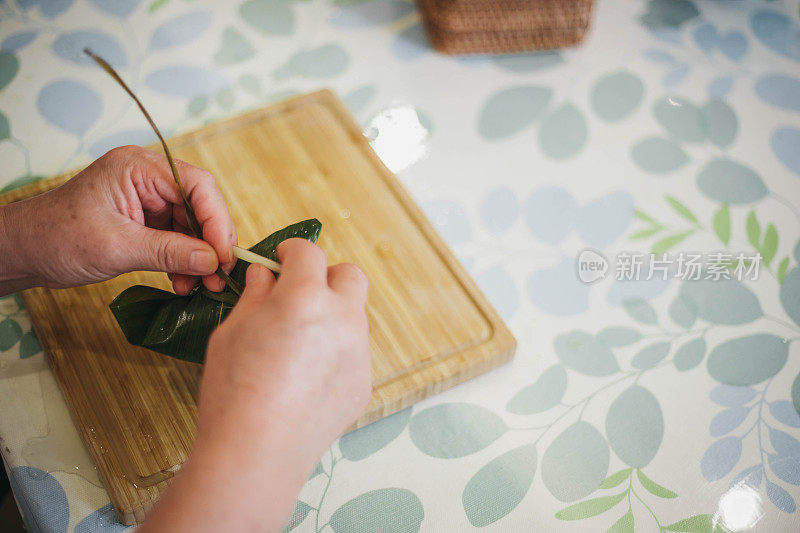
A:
497,26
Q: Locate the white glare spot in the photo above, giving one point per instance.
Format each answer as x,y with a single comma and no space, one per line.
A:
739,508
398,137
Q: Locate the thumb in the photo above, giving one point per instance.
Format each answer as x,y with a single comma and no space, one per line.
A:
170,251
258,283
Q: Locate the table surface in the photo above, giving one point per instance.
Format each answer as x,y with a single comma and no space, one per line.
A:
657,403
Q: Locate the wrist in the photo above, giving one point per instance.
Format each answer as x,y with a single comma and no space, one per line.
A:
15,271
233,483
243,451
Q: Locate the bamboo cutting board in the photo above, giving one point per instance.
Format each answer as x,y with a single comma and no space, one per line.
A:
430,326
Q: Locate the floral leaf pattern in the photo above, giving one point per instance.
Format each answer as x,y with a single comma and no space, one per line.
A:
659,154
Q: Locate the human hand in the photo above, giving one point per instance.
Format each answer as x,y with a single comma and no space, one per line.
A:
122,213
293,354
287,372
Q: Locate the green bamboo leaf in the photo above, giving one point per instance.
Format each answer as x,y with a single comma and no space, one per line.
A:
643,234
770,245
701,523
180,326
667,243
682,210
589,508
782,268
722,224
623,525
647,218
753,230
615,479
654,488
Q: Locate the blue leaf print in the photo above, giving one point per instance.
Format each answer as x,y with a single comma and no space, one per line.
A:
784,411
69,105
732,396
676,75
118,8
784,142
721,457
49,8
706,36
499,210
778,32
104,520
558,291
139,136
720,87
728,420
370,13
69,46
780,91
659,56
17,41
180,30
780,498
185,81
410,43
41,499
500,289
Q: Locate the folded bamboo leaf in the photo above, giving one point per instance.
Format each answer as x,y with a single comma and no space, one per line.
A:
180,326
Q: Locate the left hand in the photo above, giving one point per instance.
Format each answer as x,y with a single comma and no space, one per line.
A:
122,213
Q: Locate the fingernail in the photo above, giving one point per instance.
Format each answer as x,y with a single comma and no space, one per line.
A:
202,262
253,273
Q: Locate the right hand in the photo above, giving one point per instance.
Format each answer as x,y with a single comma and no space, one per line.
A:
289,370
286,373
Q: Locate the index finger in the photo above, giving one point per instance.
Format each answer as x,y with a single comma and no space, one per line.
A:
301,261
210,209
206,200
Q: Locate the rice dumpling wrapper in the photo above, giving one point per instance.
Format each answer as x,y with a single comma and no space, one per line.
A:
180,326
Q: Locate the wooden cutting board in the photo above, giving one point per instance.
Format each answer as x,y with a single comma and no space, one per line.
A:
430,326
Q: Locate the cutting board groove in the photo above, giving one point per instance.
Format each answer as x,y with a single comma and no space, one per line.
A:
430,326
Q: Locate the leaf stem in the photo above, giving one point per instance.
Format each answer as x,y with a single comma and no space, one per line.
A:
760,445
324,493
194,225
782,322
660,528
24,151
781,200
583,402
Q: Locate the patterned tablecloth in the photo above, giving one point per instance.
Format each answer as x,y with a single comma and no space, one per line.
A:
641,397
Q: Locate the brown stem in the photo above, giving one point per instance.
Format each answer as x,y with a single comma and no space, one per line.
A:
194,225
